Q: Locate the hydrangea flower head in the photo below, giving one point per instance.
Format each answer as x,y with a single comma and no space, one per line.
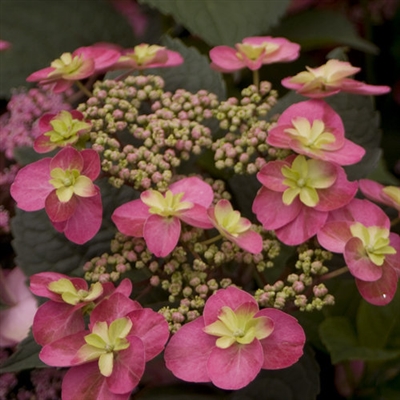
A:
361,231
252,53
388,195
145,56
63,185
234,227
109,358
298,194
314,129
60,130
233,341
329,79
71,67
157,216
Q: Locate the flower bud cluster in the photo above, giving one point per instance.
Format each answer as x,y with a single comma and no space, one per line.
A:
244,146
300,288
144,133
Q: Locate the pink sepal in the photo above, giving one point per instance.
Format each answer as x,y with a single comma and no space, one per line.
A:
59,211
91,164
67,158
65,320
394,259
188,350
62,352
130,218
334,235
84,382
31,185
195,190
161,234
40,75
381,291
249,241
239,365
196,216
284,346
151,328
104,56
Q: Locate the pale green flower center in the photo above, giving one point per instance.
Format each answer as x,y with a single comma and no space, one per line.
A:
375,240
231,221
69,182
104,342
253,51
314,136
71,295
144,54
238,327
66,128
166,205
393,192
303,179
66,65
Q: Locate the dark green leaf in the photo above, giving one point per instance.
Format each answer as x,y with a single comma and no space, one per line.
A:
40,31
314,29
223,22
340,338
25,357
193,75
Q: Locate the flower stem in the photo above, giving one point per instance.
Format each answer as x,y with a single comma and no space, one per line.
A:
83,89
256,79
212,240
334,274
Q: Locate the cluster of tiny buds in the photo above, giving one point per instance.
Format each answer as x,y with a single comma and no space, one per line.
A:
144,133
300,288
244,147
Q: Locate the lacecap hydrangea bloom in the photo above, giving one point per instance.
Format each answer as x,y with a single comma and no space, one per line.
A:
233,340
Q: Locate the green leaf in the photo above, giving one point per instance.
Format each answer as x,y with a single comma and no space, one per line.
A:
223,22
193,75
314,29
379,327
25,357
340,338
298,382
39,247
40,31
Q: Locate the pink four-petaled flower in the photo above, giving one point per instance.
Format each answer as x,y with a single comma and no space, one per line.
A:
233,341
252,53
63,185
157,217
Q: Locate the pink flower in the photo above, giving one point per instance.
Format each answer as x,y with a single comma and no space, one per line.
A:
157,217
252,53
60,130
329,79
388,195
361,231
234,227
63,185
298,194
145,56
314,129
109,358
82,63
18,307
233,341
69,299
4,45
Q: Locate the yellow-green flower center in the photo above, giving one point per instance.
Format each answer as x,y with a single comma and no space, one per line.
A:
73,296
393,192
104,342
66,129
69,182
165,205
303,179
314,136
230,220
144,54
253,51
238,326
66,65
375,240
